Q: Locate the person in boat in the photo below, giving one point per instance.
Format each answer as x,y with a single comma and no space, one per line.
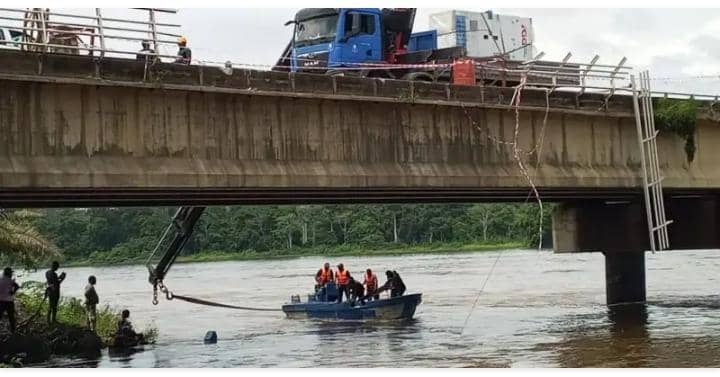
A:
371,285
342,278
355,291
394,284
126,335
323,276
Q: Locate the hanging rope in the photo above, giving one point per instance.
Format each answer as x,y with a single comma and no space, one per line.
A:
170,296
482,288
198,301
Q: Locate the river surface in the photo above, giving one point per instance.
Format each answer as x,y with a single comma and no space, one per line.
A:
538,309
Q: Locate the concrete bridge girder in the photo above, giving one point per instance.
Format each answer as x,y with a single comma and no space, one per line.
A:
78,131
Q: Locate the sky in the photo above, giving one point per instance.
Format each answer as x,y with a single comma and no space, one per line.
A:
677,44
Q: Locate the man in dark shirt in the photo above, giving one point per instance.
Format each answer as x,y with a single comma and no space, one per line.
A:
146,55
184,55
356,291
394,283
53,290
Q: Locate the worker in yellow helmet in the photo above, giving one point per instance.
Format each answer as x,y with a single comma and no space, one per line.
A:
184,55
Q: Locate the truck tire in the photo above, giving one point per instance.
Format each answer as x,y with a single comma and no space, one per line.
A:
418,76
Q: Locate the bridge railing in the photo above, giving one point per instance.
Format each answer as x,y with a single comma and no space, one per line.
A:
46,31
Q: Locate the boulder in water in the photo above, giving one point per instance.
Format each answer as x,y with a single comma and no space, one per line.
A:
28,348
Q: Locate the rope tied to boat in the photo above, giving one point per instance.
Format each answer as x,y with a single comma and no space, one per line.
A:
171,296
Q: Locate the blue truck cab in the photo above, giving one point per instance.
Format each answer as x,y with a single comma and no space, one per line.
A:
326,37
336,37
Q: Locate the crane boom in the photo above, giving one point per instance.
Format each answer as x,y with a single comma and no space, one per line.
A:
178,233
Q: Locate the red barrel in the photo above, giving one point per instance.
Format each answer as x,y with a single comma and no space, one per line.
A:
463,72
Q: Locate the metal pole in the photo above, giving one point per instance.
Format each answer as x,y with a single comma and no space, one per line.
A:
45,38
638,120
662,220
153,30
101,31
652,161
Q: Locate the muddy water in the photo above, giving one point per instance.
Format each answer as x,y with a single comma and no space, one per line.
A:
537,310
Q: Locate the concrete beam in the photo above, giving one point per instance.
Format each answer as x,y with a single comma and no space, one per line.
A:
72,124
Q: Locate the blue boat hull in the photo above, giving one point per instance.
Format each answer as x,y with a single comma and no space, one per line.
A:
396,308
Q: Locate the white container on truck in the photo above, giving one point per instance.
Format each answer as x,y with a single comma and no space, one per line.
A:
485,33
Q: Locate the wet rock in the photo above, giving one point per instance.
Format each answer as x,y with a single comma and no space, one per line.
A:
89,345
28,348
75,341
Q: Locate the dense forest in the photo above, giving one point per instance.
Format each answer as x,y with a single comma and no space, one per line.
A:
121,235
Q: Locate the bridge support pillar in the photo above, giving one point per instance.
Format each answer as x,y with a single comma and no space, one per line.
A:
624,277
619,231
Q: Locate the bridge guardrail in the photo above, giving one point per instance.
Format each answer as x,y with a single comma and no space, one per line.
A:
76,34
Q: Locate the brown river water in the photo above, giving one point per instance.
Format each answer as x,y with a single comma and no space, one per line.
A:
538,309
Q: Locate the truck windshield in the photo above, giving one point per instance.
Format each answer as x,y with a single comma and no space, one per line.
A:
316,30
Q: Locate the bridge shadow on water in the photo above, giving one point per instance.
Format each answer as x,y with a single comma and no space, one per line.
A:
661,334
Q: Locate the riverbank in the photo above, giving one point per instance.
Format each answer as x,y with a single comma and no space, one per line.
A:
36,341
110,259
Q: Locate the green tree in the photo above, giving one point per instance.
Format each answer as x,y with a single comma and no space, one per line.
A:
20,241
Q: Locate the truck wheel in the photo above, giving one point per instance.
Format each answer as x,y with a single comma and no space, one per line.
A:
418,76
334,72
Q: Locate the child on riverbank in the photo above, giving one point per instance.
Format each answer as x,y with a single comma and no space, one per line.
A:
91,302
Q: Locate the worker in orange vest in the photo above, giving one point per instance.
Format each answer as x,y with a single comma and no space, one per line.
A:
342,278
371,285
323,276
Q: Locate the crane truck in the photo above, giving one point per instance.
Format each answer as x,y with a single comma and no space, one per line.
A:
371,42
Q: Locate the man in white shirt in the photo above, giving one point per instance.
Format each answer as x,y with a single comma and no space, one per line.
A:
8,287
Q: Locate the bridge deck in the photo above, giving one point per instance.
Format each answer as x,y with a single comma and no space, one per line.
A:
74,131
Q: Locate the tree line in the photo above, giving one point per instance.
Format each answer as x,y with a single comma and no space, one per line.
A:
131,233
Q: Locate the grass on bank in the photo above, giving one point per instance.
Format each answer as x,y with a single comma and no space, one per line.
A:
120,258
71,312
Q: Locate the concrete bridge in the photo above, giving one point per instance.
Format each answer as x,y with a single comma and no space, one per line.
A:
79,132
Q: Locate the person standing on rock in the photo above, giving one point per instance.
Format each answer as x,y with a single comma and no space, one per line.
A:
8,287
91,302
53,290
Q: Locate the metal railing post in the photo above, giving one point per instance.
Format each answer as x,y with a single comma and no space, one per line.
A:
153,30
45,36
101,32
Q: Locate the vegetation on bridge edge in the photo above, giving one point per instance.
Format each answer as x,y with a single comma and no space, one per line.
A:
679,117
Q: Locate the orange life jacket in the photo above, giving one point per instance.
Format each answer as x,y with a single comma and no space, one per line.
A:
342,277
371,281
325,276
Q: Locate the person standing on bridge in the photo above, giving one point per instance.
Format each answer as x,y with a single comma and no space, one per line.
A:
184,54
147,54
342,278
53,290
